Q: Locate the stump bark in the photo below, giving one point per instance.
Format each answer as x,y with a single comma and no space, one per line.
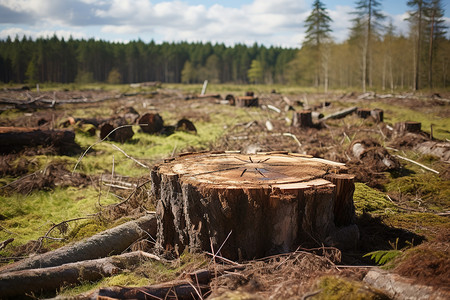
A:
303,119
151,123
247,101
409,126
249,206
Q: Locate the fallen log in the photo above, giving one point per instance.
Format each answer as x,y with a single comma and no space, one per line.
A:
19,283
181,289
340,114
402,288
251,205
111,241
13,139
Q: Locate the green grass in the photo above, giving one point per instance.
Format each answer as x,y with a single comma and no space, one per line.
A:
27,217
394,113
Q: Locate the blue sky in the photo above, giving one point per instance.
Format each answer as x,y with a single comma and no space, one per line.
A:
268,22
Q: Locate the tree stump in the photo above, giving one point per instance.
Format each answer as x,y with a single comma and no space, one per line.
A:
408,126
303,119
151,123
247,101
363,113
377,115
249,206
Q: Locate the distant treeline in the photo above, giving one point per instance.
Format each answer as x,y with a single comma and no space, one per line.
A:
23,60
393,62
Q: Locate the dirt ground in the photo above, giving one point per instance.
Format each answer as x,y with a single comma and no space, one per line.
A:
268,128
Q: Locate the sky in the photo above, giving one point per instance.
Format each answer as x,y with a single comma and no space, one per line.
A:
267,22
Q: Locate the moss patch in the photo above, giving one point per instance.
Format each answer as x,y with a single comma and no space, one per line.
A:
371,201
333,287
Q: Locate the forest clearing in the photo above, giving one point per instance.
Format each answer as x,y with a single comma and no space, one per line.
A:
137,192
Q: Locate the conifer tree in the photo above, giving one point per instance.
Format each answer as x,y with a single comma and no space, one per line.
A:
317,37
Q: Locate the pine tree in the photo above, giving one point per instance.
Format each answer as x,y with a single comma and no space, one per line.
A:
416,20
366,25
436,30
317,37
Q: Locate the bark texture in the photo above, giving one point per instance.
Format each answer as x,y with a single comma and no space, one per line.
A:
259,205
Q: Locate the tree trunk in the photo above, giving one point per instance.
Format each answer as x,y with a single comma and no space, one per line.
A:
248,206
111,241
19,283
340,114
14,139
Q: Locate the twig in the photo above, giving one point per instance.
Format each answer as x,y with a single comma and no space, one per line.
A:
311,294
5,243
133,159
415,162
6,230
40,239
220,248
96,143
132,193
294,137
223,258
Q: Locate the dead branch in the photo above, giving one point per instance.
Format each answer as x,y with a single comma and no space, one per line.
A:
18,283
416,163
111,241
5,243
128,156
181,289
340,114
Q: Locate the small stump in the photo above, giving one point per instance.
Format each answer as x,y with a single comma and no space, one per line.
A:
303,119
252,206
409,126
247,101
151,123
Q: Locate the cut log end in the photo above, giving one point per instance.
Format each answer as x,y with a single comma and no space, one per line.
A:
260,204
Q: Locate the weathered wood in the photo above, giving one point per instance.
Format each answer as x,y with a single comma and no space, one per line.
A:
373,155
111,241
14,139
363,113
302,119
255,205
19,283
344,208
409,126
151,123
377,114
402,288
340,114
247,101
181,289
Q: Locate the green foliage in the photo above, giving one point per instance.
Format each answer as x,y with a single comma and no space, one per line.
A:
114,76
382,257
255,73
84,77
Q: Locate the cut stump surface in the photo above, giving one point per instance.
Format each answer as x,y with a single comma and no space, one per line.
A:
266,203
